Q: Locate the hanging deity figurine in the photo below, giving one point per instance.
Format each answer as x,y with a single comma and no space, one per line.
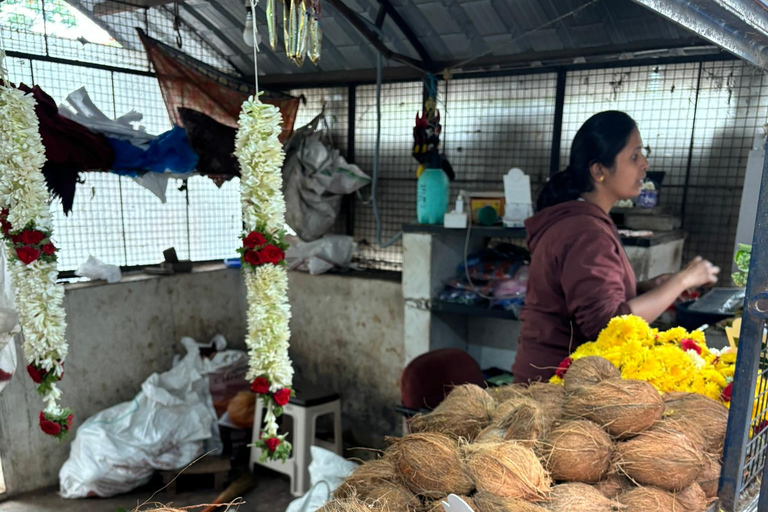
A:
272,23
426,133
315,33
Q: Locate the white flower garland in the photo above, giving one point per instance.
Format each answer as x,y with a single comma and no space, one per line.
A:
23,193
261,156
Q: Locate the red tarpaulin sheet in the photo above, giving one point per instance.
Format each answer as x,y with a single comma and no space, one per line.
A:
189,83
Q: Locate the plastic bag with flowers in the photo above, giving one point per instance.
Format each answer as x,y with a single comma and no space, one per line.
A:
672,360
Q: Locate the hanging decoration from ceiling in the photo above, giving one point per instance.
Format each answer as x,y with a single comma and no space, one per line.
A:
260,154
302,33
25,221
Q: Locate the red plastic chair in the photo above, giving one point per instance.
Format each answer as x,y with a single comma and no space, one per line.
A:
431,376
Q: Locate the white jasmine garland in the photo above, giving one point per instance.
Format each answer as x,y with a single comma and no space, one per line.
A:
261,156
24,194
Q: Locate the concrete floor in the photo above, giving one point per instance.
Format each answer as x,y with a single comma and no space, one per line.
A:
272,494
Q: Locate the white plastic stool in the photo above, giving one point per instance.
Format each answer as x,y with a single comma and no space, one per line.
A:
305,408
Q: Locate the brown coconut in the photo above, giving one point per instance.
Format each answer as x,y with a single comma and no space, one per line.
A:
613,486
589,371
578,451
463,414
692,499
663,457
709,478
578,497
430,463
507,469
522,420
550,398
694,434
701,413
436,505
649,499
366,477
623,407
487,502
504,393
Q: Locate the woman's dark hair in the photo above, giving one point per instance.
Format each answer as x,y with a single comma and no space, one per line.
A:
598,140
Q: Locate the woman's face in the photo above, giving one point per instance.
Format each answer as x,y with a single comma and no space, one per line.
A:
628,175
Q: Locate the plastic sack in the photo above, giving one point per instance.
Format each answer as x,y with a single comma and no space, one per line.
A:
9,325
96,269
328,253
315,178
169,424
327,472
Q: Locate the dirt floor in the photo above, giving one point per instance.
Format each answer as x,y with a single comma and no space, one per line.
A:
272,494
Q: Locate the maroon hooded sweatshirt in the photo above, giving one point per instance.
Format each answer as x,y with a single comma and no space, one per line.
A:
579,279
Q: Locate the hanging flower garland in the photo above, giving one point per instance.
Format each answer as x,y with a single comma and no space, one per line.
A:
263,252
26,225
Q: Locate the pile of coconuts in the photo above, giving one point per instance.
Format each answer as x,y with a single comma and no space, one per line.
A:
597,443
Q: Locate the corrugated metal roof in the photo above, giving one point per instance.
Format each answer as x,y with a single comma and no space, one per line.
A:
449,30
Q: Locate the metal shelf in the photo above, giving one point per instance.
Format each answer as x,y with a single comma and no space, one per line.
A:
475,232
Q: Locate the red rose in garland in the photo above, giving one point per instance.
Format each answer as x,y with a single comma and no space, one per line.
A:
687,345
254,239
282,397
260,386
272,443
27,254
562,368
272,254
253,257
48,249
49,427
69,421
725,396
37,374
32,237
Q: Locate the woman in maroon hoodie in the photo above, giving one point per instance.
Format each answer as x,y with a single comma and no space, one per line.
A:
580,277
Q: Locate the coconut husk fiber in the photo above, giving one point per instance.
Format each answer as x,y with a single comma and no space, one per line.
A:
430,464
507,469
623,407
388,496
694,434
649,499
366,477
589,371
522,421
504,393
578,451
347,505
550,398
578,497
702,413
613,485
692,499
709,478
663,457
487,502
463,414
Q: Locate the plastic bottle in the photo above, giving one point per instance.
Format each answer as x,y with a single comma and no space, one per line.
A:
432,196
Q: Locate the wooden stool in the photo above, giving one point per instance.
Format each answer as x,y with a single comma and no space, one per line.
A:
217,466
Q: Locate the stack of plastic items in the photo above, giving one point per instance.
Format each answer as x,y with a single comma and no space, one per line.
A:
494,278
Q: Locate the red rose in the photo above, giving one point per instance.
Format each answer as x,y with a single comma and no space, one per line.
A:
5,376
272,444
725,396
4,213
272,254
690,345
16,239
282,397
253,257
760,427
254,239
563,367
260,386
36,373
6,226
27,254
49,427
32,237
48,248
69,421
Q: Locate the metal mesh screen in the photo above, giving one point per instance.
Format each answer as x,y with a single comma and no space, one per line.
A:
113,218
71,30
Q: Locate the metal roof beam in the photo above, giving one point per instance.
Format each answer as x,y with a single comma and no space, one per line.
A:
407,31
221,35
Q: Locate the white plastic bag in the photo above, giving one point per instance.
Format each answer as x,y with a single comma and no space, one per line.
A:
9,325
320,256
169,424
327,471
95,269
